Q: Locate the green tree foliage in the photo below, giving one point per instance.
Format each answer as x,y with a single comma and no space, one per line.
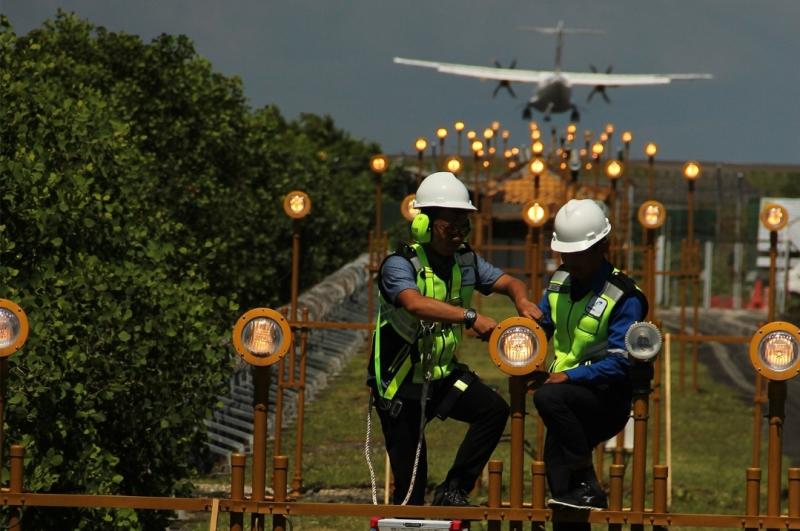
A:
140,211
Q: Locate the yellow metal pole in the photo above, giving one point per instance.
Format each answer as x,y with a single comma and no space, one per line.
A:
495,486
237,489
17,454
516,388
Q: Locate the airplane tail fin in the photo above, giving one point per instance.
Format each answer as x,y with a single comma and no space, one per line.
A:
559,31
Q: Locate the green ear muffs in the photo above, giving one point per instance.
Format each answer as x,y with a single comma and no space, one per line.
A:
421,228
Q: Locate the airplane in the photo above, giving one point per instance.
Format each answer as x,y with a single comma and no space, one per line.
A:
554,92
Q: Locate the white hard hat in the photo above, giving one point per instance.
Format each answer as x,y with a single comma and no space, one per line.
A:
579,224
442,189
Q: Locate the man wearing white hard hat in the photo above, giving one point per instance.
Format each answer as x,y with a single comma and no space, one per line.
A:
588,307
425,292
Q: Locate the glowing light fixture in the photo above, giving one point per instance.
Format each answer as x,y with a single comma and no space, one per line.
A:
407,207
775,350
774,217
421,144
13,327
691,170
614,169
297,204
518,346
262,336
379,163
652,214
535,214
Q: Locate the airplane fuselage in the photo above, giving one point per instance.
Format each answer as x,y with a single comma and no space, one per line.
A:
553,96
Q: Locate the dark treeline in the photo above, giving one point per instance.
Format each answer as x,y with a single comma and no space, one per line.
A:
140,213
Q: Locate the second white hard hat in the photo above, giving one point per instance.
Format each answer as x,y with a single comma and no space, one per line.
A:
579,224
443,189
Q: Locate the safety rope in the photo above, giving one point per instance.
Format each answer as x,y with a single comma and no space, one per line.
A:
426,352
368,454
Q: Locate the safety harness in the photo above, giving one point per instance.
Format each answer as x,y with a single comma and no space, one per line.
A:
444,338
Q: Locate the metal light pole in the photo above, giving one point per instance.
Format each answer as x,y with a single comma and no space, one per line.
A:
459,127
692,172
420,145
650,149
441,134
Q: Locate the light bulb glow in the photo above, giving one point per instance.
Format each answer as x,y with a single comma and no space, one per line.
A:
517,346
9,327
421,144
778,351
262,336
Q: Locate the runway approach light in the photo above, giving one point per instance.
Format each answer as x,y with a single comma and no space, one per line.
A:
774,217
407,207
643,341
536,166
262,336
297,204
379,163
454,165
13,327
775,350
614,169
652,214
518,346
691,170
535,214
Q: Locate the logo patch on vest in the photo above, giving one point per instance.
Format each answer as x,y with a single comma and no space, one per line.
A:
596,307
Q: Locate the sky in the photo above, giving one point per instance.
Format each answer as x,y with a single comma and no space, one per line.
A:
334,57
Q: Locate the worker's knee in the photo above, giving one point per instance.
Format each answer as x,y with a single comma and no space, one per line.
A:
547,398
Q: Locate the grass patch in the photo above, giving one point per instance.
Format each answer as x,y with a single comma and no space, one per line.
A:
711,446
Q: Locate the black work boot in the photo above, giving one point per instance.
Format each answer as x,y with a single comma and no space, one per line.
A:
586,495
450,494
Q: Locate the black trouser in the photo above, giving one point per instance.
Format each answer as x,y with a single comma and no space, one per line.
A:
480,406
578,418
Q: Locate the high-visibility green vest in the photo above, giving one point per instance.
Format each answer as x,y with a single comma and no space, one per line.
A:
444,338
581,327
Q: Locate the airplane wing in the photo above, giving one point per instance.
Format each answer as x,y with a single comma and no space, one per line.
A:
622,80
539,76
482,72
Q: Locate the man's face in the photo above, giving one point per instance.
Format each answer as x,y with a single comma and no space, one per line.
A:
582,265
450,229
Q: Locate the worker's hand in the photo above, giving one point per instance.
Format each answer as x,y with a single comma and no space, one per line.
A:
525,308
556,378
484,326
536,379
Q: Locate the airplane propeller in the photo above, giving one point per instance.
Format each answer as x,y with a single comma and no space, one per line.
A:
504,83
600,89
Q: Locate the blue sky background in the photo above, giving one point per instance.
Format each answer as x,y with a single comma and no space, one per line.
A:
335,57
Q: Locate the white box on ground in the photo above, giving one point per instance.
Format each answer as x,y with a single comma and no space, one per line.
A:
402,524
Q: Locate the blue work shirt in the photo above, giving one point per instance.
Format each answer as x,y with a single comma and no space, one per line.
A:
398,274
614,367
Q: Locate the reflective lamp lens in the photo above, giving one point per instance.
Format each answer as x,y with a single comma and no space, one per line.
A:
9,327
775,216
297,203
517,346
778,351
262,336
536,213
651,215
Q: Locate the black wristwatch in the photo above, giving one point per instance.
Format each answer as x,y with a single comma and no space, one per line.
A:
470,315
